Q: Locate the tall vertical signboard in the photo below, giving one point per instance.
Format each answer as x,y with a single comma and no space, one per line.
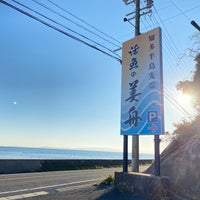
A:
142,85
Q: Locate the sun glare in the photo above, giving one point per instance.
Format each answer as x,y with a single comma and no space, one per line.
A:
187,99
187,102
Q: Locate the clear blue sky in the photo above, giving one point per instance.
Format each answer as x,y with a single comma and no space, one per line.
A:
57,92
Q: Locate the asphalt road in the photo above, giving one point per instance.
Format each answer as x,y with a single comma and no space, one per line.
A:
76,184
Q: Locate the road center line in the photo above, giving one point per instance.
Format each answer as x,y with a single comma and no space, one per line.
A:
50,186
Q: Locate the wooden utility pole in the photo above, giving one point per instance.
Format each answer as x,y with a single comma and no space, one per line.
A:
135,138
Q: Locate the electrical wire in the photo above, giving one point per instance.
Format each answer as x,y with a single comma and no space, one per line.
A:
181,13
169,52
66,18
153,23
166,94
64,26
57,29
173,101
84,21
176,104
175,51
180,10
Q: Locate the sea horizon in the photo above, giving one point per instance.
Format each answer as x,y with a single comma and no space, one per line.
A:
18,152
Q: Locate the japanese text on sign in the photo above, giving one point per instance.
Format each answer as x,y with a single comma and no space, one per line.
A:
142,98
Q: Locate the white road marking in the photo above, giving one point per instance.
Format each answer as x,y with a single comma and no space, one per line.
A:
22,196
64,189
49,186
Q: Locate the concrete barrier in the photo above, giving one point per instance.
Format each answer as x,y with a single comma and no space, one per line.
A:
145,184
8,166
18,166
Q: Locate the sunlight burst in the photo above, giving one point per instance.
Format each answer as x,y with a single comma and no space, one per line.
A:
187,99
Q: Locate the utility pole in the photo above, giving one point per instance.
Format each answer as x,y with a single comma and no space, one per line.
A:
135,138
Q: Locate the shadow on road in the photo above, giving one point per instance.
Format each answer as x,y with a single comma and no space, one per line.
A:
108,193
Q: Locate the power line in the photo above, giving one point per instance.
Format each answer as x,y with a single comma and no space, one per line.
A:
185,66
173,101
181,13
57,29
83,21
180,10
176,103
154,21
64,26
166,42
169,5
66,18
175,51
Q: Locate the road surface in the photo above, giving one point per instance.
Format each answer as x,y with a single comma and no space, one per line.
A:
76,184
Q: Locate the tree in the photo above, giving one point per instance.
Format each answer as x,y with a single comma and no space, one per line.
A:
192,87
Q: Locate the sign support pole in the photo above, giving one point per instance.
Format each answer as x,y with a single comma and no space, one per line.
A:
157,155
125,154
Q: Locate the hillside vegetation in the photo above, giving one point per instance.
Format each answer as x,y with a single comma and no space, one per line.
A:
180,161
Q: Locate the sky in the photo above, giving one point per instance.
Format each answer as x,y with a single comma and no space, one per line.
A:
58,92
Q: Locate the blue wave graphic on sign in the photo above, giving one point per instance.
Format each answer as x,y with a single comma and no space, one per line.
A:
146,110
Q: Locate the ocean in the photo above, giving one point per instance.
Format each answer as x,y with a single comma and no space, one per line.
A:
50,153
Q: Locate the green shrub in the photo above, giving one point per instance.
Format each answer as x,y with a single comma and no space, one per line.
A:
109,181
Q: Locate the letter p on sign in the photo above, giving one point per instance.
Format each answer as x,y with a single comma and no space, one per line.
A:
152,116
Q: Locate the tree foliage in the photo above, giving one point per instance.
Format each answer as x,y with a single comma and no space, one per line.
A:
186,129
192,87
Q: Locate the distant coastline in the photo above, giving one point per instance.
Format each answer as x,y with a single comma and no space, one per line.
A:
10,152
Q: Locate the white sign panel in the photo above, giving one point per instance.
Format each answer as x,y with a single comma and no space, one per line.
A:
142,85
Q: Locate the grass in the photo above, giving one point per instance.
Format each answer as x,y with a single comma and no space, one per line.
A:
108,181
